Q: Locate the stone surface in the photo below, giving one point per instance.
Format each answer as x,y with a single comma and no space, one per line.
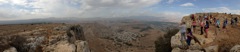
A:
175,41
212,48
11,49
82,46
61,46
236,48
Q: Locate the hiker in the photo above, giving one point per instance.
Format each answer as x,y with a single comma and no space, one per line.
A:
214,20
224,25
190,36
211,18
201,26
236,20
205,17
217,24
183,31
232,21
206,28
194,24
192,17
199,18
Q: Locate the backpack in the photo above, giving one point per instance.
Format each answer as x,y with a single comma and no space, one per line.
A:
217,23
207,24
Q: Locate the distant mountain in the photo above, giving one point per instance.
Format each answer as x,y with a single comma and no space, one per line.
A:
78,20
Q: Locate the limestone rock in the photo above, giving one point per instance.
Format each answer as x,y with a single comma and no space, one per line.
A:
188,50
82,46
176,50
61,46
12,49
175,41
62,28
236,48
212,48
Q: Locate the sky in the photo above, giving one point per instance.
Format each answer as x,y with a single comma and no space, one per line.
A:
172,9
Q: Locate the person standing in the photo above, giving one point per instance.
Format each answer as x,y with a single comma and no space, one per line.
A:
206,28
224,25
236,20
194,25
183,31
217,24
192,17
201,26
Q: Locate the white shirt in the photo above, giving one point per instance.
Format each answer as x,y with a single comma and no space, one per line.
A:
183,28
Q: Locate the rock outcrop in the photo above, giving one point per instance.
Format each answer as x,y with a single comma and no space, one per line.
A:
12,49
210,44
58,39
236,48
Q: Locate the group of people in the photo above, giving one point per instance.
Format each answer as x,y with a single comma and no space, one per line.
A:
204,23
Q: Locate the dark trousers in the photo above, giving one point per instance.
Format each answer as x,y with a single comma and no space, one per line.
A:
201,30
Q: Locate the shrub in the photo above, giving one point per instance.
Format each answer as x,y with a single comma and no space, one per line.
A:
163,44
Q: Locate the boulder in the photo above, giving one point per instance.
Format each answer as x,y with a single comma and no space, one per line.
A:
177,50
11,49
76,32
236,48
212,48
82,46
175,41
65,46
61,46
188,50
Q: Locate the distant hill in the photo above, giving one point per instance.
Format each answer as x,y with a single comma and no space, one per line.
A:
79,20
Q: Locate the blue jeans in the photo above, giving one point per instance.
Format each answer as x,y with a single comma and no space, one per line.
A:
183,36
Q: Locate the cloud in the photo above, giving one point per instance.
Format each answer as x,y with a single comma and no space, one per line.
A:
187,4
171,16
170,1
3,2
26,9
221,9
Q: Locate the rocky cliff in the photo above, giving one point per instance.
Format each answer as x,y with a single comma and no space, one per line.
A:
53,38
214,43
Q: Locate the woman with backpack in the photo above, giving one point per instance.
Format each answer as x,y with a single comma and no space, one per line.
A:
206,29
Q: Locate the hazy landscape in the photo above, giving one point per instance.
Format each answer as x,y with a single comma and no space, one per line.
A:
119,26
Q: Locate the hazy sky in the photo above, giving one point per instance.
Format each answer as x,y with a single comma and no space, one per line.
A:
31,9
